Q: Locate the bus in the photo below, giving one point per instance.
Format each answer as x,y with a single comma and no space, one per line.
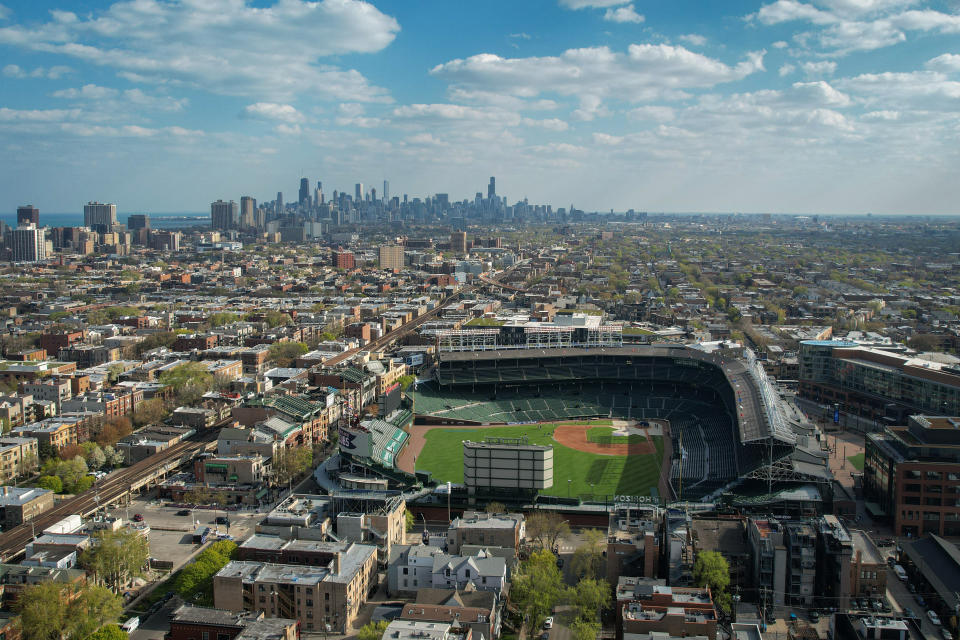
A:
200,535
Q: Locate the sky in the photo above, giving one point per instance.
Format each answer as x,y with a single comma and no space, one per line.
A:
781,106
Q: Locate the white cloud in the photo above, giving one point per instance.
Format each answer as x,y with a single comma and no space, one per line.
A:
623,15
786,69
223,46
693,39
645,72
273,111
653,112
53,73
825,68
928,90
780,44
886,115
846,26
87,92
37,115
948,63
551,124
520,36
607,139
4,12
591,4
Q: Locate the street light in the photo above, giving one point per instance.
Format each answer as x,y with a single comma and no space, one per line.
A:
568,486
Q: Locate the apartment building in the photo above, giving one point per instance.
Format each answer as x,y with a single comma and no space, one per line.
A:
315,595
22,504
498,530
14,454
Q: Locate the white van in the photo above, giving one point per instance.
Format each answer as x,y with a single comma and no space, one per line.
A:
130,625
897,569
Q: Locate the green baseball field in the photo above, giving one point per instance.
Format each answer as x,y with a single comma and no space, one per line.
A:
631,468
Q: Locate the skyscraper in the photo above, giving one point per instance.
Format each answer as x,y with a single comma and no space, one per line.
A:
223,215
458,241
492,188
391,257
304,192
29,244
358,192
247,206
28,214
138,221
386,190
279,203
100,217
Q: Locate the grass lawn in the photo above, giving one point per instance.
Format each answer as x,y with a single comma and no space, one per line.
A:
856,461
630,475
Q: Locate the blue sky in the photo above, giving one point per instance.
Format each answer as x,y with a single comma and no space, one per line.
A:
808,106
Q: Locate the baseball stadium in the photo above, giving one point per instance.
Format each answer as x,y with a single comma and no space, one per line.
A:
662,420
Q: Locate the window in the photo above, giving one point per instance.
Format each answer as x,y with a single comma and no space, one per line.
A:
204,635
326,596
262,599
223,636
309,602
406,571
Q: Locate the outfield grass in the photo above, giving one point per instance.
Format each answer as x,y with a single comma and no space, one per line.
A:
857,461
628,475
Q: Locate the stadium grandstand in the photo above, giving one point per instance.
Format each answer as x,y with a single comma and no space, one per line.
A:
371,447
726,419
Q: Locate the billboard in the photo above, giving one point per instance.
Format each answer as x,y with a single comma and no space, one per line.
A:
355,442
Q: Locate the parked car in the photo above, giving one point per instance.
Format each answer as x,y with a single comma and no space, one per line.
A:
920,600
137,517
183,512
814,615
223,520
934,618
911,588
548,623
946,633
908,613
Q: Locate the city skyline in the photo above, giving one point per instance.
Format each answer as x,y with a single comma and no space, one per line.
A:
824,106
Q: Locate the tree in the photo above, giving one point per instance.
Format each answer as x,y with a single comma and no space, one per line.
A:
710,569
583,630
115,557
113,429
283,354
547,528
408,521
495,508
96,458
289,464
203,495
189,381
65,611
277,319
588,561
149,412
53,483
373,630
109,632
537,586
194,583
28,464
590,597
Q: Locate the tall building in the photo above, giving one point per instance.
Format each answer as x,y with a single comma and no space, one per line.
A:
100,217
304,192
223,215
28,214
138,221
318,194
358,192
391,257
492,188
458,241
247,207
279,210
386,191
29,244
343,259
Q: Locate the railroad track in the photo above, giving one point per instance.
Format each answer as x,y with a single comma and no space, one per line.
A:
118,483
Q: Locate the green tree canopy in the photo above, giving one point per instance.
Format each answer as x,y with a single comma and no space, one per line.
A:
283,354
710,569
547,528
65,611
115,557
373,630
53,483
109,632
537,586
